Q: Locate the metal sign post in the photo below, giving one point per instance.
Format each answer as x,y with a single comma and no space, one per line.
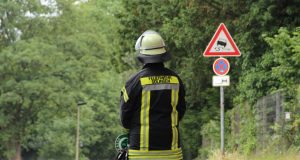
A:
221,45
221,67
222,118
78,129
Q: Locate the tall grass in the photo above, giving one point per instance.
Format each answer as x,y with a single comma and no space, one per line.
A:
216,155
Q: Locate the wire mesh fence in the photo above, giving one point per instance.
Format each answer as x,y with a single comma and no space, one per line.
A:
268,119
269,113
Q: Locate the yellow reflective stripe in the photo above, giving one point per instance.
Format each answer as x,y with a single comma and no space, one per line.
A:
155,152
144,120
155,158
175,106
125,95
175,154
174,117
169,157
147,120
159,80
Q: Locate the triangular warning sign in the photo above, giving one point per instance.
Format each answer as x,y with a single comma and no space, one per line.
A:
221,44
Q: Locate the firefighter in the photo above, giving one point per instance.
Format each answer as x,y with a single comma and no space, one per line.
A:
153,103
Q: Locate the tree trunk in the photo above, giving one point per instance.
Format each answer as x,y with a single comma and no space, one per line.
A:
18,151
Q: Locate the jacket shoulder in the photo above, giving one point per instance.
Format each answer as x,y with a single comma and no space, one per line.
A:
173,73
135,77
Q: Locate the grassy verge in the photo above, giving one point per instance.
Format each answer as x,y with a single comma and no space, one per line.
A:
216,155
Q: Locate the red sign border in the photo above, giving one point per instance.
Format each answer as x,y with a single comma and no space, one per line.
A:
215,68
207,52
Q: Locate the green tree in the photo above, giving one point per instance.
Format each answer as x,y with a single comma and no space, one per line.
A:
57,61
25,87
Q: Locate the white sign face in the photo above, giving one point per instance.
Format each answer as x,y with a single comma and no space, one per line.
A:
222,44
219,81
287,115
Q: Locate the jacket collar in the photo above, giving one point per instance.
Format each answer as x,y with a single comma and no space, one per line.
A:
153,65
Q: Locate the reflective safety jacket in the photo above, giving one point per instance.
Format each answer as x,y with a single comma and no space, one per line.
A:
152,104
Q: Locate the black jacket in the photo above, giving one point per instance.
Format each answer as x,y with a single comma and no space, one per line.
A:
152,104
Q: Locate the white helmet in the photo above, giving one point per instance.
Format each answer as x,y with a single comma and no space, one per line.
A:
151,48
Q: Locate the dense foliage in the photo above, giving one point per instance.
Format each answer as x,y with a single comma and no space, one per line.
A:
55,54
49,65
